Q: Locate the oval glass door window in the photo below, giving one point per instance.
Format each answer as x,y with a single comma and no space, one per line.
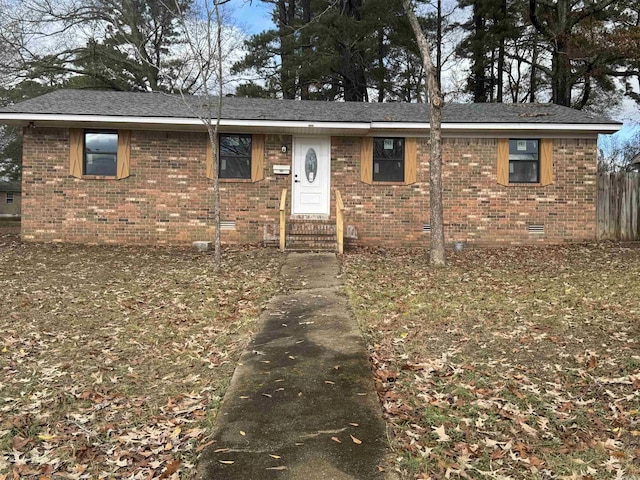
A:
311,165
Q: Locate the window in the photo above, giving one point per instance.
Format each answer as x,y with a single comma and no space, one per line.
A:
524,161
235,156
388,159
9,197
100,153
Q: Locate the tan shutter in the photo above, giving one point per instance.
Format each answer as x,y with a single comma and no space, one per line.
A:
76,151
366,160
546,161
410,161
503,161
209,158
257,158
124,153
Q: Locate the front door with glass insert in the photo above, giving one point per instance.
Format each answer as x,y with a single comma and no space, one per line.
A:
311,175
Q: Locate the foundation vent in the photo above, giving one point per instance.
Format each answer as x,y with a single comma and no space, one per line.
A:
535,228
227,225
426,227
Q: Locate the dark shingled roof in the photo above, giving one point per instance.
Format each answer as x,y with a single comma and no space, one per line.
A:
10,186
130,104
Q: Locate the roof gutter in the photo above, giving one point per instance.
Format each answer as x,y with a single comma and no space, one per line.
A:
368,126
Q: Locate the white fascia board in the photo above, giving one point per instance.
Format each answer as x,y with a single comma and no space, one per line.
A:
36,117
393,126
589,127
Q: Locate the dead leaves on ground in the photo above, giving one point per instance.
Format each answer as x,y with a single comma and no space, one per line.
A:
113,360
508,363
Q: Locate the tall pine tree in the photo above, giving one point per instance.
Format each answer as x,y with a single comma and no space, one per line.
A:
334,50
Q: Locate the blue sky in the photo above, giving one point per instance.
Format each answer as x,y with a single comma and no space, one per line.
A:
252,17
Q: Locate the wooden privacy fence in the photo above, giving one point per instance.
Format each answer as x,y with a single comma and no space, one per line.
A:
618,207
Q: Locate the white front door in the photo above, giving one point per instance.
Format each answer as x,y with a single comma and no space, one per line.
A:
311,175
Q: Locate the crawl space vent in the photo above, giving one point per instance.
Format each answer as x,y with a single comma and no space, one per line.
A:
535,228
227,225
426,227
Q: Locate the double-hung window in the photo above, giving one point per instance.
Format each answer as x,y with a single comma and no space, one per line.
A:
97,153
100,153
524,161
388,159
9,197
240,157
235,156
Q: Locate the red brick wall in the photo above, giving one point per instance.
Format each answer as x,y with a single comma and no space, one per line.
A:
476,208
479,210
167,198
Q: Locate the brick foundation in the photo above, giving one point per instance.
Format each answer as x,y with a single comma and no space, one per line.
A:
167,197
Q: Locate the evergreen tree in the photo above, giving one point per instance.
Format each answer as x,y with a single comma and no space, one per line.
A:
327,50
490,27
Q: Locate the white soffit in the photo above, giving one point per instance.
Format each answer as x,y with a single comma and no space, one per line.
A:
180,121
451,127
301,126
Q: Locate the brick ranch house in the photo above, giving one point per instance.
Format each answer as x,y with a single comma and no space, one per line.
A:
136,168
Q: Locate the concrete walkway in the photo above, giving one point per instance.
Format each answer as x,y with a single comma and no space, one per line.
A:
301,404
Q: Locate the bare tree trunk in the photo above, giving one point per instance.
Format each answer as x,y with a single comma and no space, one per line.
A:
435,123
205,59
534,60
439,44
492,75
212,131
381,54
217,247
503,17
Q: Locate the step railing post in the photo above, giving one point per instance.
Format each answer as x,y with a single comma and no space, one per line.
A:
283,203
339,222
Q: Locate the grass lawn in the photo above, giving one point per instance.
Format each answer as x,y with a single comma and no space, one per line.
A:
508,363
113,360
